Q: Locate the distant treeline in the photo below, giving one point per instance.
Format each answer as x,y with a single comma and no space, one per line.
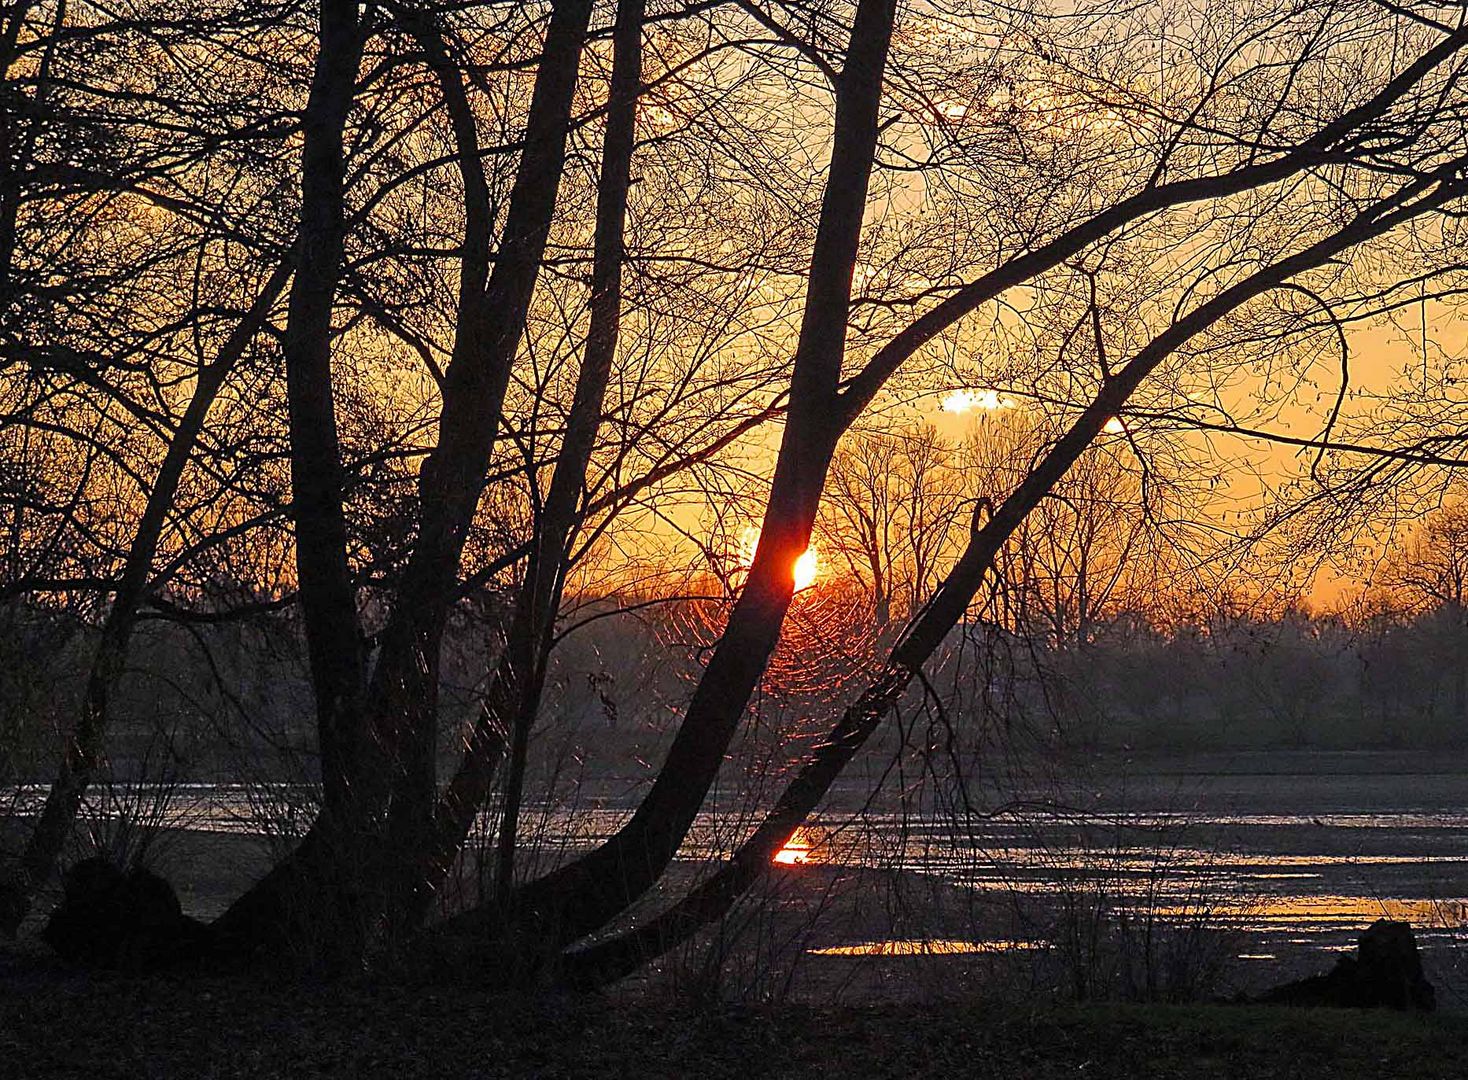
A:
1298,682
202,701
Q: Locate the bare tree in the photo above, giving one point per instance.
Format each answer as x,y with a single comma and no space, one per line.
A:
1061,172
892,501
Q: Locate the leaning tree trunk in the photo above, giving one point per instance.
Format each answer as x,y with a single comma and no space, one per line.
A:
618,956
83,750
576,899
584,895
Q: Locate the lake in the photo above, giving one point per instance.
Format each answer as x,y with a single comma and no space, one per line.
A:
1296,853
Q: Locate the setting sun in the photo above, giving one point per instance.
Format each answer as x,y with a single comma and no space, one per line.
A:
806,568
804,571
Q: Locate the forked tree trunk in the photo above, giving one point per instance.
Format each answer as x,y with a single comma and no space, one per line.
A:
515,689
545,915
405,683
515,694
343,876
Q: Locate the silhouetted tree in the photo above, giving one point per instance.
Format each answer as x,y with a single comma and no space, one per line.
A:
1059,169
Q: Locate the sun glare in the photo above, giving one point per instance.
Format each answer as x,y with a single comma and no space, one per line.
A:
805,570
1114,426
962,401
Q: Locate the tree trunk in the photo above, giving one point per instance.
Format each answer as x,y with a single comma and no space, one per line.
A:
578,898
351,863
452,479
712,899
321,908
83,750
520,678
328,598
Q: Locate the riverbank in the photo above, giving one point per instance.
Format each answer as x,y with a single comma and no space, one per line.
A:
55,1024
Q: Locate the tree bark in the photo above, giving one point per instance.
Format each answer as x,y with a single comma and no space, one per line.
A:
313,902
350,864
328,598
452,478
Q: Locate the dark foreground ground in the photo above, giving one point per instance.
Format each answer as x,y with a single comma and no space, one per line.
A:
58,1024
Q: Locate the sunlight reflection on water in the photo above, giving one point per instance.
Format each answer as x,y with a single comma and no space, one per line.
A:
1265,873
918,947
